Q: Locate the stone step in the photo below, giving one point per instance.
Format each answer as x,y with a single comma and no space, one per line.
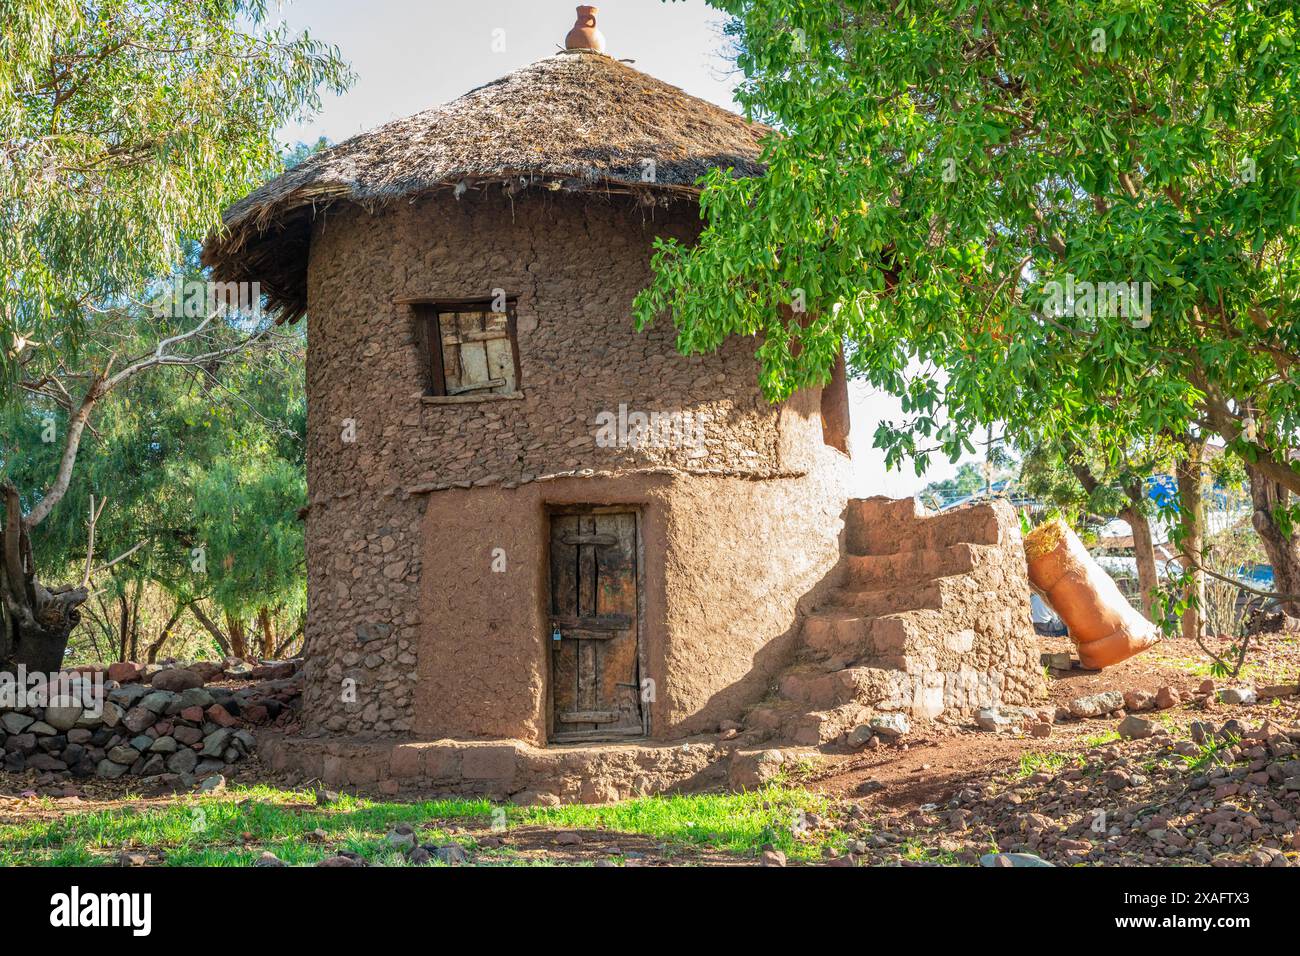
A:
872,601
908,568
886,526
886,639
919,694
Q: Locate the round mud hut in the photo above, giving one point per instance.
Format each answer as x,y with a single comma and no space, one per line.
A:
528,520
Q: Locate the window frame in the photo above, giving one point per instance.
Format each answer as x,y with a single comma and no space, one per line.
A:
428,314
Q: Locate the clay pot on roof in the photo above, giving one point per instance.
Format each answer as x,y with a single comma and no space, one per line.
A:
584,35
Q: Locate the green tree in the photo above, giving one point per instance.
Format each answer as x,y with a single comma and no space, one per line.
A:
124,129
968,191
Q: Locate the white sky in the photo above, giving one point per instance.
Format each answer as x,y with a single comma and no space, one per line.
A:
412,54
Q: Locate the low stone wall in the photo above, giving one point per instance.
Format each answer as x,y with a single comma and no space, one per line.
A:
173,729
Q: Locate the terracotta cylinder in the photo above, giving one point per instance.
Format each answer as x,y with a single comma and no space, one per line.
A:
584,35
1102,623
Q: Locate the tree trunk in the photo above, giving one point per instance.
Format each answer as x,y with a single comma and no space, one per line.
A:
1283,551
1145,553
1191,516
123,628
211,628
268,632
238,637
34,622
151,653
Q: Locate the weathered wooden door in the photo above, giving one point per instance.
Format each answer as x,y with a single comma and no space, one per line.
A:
595,672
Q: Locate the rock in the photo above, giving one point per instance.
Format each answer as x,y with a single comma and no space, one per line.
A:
110,769
1097,705
138,718
187,735
269,859
213,784
153,766
41,729
1206,687
772,858
999,719
16,723
1237,695
277,670
129,695
535,798
182,761
112,715
859,735
124,755
337,861
220,716
196,697
142,742
236,669
79,736
22,743
158,701
326,797
419,856
163,745
1040,730
1012,859
402,836
451,854
751,770
193,714
124,672
45,762
62,718
214,744
1133,727
891,726
1167,697
1135,700
176,679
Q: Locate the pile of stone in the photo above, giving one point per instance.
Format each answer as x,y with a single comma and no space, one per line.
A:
173,728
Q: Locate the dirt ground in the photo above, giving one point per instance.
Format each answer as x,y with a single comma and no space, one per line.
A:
951,792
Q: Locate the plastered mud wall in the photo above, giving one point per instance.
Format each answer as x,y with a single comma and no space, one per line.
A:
411,632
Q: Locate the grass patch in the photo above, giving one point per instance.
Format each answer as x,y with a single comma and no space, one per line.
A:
233,829
1042,761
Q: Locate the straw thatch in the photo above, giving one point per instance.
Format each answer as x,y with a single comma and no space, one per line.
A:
578,121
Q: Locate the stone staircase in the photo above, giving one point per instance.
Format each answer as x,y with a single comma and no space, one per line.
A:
931,617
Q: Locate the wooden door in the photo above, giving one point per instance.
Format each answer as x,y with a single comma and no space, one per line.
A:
595,672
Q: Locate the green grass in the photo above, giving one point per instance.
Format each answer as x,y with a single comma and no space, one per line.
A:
233,829
1042,761
1099,740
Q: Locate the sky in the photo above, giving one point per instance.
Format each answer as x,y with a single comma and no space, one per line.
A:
410,55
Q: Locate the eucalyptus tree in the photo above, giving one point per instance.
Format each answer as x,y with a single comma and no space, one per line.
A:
125,128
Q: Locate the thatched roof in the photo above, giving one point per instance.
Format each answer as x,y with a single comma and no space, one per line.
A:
578,120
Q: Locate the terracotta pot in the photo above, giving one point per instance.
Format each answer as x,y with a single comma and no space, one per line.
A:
584,35
1103,625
